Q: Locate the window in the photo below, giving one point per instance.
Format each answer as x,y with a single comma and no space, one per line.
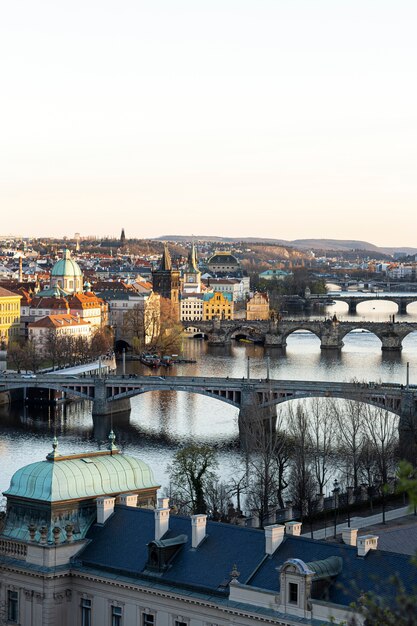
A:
148,619
116,616
179,623
293,593
12,606
85,612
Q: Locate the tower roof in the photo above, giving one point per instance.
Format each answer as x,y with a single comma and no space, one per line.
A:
166,262
192,265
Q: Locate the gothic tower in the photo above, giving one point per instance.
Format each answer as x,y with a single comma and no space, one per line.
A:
192,275
166,280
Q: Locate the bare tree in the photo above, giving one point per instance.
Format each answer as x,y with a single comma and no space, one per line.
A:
302,484
267,456
321,427
349,416
16,354
381,432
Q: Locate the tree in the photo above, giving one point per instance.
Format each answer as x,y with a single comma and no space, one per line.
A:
16,355
302,484
191,470
321,428
101,342
267,450
349,417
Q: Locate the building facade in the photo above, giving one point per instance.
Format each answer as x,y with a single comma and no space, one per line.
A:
257,307
218,305
9,316
83,544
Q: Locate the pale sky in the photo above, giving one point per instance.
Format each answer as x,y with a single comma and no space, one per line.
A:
274,118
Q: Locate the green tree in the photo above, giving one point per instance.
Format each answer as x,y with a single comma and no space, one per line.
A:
191,471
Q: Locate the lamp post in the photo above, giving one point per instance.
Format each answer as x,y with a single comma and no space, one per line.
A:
336,490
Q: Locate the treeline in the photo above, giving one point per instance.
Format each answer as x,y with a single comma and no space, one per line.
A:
57,351
312,443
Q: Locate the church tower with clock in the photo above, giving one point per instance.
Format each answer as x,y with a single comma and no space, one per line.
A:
192,275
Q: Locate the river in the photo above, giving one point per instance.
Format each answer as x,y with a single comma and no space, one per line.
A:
160,422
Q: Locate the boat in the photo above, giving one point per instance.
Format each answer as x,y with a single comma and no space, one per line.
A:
151,360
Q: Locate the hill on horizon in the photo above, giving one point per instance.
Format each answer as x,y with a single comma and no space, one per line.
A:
340,245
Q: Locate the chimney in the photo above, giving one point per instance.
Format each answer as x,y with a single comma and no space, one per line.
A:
161,518
105,508
293,528
274,536
198,529
366,543
349,536
128,499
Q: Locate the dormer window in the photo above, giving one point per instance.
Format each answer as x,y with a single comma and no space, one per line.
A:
293,593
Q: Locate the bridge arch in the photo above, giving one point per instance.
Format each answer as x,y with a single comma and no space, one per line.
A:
300,327
246,331
68,389
232,397
358,329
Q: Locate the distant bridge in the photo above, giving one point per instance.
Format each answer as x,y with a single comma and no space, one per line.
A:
353,299
112,394
274,333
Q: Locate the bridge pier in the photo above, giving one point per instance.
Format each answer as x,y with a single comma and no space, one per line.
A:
391,343
103,406
255,420
407,428
352,305
274,341
330,337
402,307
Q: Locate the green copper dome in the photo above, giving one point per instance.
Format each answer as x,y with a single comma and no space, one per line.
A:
76,477
66,267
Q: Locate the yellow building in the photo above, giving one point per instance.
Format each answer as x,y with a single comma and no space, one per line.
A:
257,307
218,305
9,316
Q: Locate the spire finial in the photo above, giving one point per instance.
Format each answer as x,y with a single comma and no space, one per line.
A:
112,438
234,574
54,454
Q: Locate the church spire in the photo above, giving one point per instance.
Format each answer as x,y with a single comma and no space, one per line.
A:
192,260
166,263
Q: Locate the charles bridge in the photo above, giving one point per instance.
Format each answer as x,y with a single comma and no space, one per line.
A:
274,333
111,394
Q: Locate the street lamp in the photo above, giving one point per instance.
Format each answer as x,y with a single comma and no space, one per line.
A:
336,490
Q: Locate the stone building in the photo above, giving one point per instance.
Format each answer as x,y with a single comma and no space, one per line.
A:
80,546
257,307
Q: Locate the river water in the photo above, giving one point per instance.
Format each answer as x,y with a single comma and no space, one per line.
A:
160,422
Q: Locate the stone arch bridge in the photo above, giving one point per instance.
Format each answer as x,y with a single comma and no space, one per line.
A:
352,300
253,397
275,333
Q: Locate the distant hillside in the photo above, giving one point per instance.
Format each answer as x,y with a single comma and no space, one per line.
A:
338,245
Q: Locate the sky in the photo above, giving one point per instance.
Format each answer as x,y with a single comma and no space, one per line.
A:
266,118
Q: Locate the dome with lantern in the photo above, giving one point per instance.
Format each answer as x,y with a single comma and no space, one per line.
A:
67,274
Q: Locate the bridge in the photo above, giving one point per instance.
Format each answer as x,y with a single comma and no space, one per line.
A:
253,397
273,333
353,299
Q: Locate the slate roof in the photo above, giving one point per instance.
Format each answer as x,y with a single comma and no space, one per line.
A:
121,546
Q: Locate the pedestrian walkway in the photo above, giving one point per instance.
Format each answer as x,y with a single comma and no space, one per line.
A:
360,522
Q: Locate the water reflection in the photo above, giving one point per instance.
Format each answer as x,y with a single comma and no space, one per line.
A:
160,421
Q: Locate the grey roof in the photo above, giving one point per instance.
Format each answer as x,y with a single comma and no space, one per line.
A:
208,567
